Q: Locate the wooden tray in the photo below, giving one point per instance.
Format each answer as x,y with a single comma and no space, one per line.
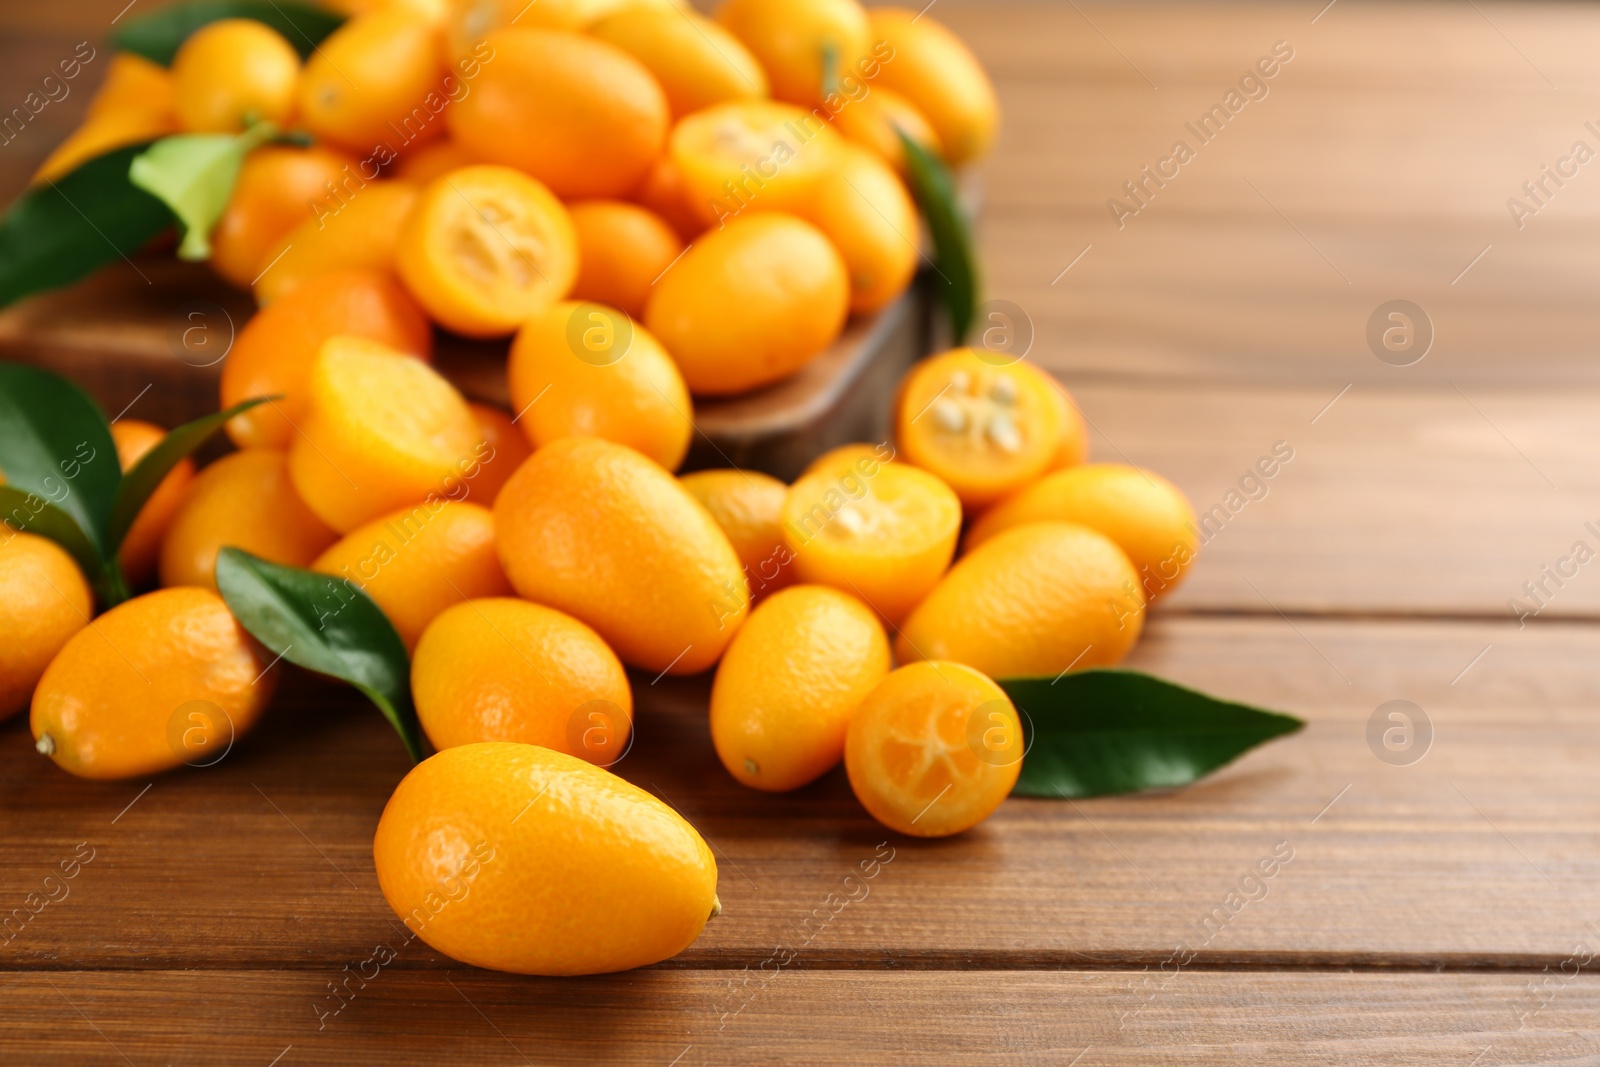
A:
150,336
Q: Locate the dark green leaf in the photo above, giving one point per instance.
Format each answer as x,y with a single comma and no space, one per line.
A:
23,510
1111,731
953,260
61,231
194,175
324,625
141,481
54,443
157,35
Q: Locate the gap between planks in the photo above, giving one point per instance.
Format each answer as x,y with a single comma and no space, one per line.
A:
1067,961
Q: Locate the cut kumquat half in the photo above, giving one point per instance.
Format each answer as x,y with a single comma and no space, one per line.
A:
485,248
985,425
933,749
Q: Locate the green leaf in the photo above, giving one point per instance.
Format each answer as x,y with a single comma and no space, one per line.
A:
1105,731
830,69
157,35
953,258
54,443
194,174
23,510
56,233
141,481
324,625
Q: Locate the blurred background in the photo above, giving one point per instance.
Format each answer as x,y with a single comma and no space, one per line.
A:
1219,310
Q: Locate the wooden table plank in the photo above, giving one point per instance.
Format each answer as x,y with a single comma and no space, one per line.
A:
800,1015
1484,853
1357,43
1429,500
1375,168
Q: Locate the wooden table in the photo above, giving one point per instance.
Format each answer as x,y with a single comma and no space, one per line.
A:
1442,912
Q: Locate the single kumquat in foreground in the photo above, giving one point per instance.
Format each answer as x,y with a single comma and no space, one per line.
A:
232,72
866,212
518,858
579,114
368,83
750,303
751,155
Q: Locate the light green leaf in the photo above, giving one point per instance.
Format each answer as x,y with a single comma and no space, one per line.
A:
194,174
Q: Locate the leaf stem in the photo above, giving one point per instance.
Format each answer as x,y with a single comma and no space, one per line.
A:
113,587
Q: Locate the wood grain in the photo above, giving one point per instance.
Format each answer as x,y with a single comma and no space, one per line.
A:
1481,854
799,1015
1425,500
1376,167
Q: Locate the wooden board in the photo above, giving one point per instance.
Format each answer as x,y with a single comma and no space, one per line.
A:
154,333
801,1016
